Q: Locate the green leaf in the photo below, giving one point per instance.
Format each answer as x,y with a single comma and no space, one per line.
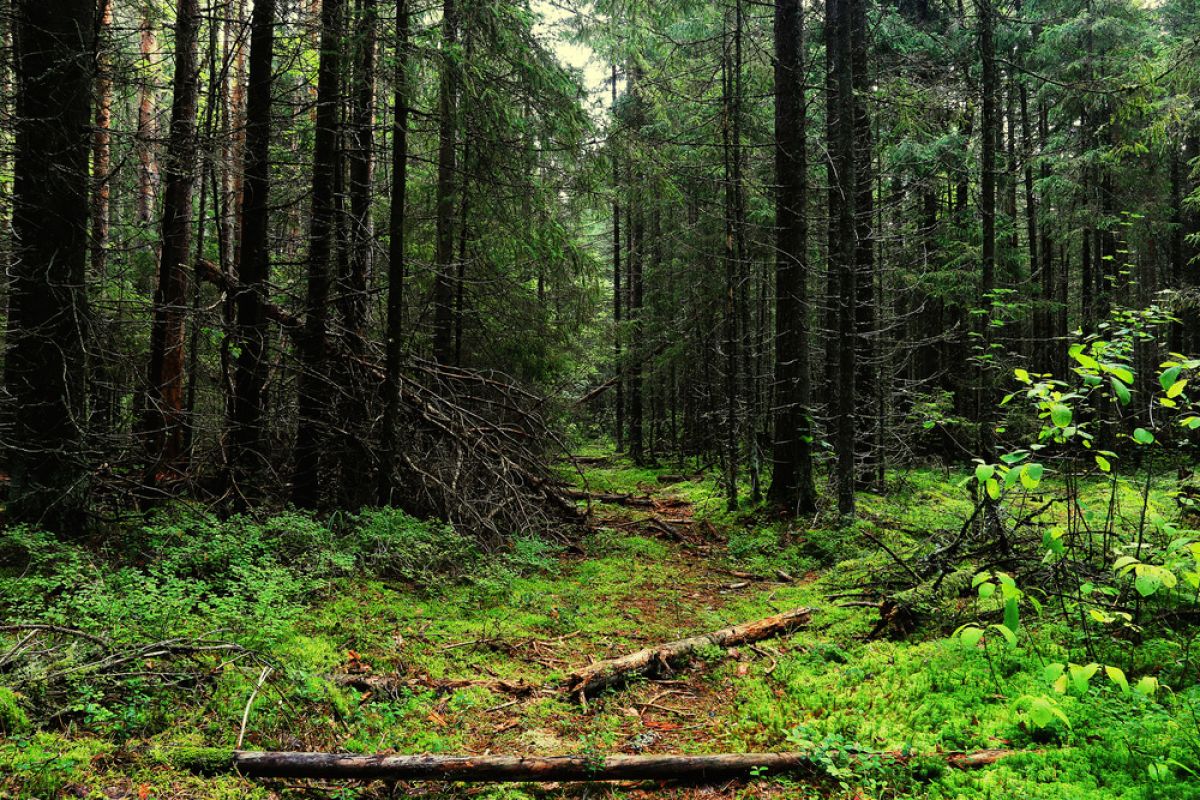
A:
1007,633
1168,378
1031,475
1103,463
1118,677
986,590
1060,415
1120,373
1177,388
1147,686
1011,614
1147,583
970,636
993,488
1121,391
984,472
1143,436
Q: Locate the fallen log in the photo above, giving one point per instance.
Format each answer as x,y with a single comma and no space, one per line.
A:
610,497
658,659
496,769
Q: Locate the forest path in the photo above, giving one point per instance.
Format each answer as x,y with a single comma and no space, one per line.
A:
486,678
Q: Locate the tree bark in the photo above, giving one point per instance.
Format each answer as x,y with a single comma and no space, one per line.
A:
45,365
619,366
652,660
842,242
164,423
147,130
396,264
526,769
248,456
791,480
313,384
443,282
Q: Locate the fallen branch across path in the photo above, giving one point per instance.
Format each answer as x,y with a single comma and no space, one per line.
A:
654,660
496,769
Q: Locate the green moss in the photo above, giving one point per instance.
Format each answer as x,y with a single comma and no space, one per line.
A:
201,760
13,719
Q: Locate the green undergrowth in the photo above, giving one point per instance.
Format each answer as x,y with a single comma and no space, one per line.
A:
309,599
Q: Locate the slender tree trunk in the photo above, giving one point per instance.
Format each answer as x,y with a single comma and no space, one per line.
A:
869,389
619,365
355,453
147,130
45,366
313,385
637,202
843,248
443,282
396,264
163,426
989,124
731,279
101,144
248,455
791,479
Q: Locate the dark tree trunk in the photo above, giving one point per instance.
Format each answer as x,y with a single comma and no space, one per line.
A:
248,456
396,264
355,453
989,124
164,423
619,366
842,245
45,367
313,386
791,480
443,280
637,202
731,278
868,387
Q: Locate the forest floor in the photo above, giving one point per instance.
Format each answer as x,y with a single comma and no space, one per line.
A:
829,688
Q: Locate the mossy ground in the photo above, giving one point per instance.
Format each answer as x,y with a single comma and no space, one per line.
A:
826,687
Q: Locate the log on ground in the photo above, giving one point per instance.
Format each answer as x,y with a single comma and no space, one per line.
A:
529,769
653,660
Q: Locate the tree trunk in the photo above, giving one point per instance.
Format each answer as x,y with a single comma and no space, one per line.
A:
868,388
45,366
355,453
637,201
101,144
443,282
147,130
164,423
989,124
248,456
730,321
619,366
842,245
652,660
791,479
313,385
396,263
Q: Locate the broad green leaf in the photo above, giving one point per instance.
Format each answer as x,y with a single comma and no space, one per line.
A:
970,636
986,590
1060,415
1168,378
1143,436
984,472
1007,633
1103,463
1118,677
1121,391
1011,614
1177,388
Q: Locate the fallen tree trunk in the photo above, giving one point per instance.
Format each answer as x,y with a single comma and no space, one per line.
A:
613,498
692,768
653,660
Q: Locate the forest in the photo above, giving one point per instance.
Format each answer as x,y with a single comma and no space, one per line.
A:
522,399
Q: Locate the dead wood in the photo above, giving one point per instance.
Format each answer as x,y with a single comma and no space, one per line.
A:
659,659
495,769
